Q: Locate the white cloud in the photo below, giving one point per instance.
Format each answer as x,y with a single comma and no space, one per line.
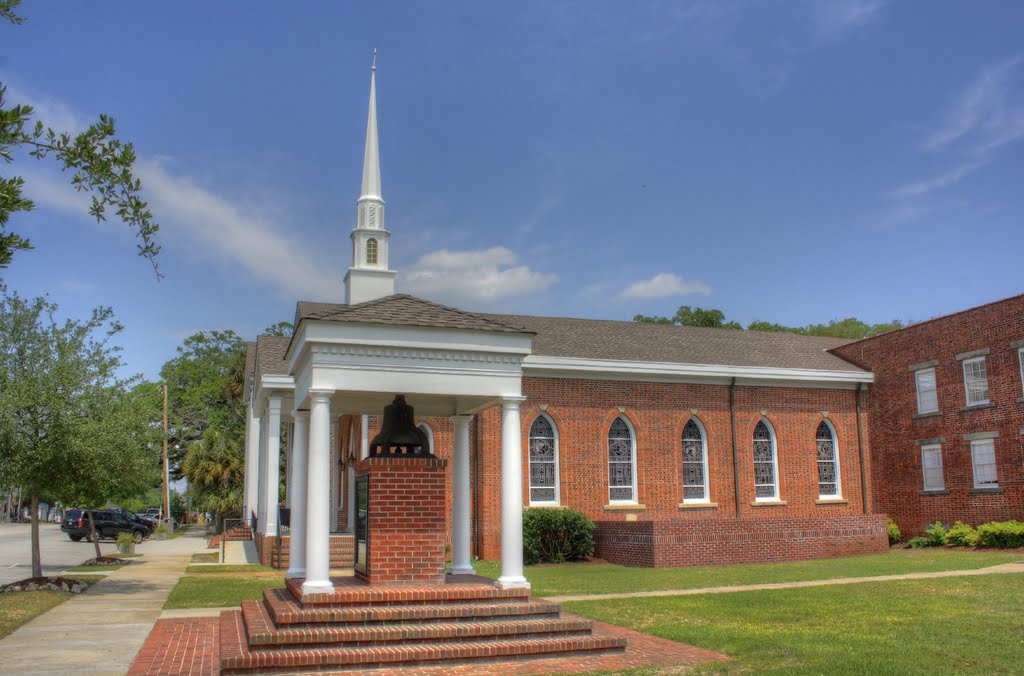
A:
945,180
834,19
473,277
49,111
980,108
662,285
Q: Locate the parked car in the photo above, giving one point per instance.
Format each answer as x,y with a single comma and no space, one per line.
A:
109,523
147,524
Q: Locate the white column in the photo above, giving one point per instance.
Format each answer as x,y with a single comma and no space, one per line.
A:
461,524
273,489
297,491
261,480
511,496
318,525
252,462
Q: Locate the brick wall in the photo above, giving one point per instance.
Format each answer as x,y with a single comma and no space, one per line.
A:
406,520
582,411
895,426
726,541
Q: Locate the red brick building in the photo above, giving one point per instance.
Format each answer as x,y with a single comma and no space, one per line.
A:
946,416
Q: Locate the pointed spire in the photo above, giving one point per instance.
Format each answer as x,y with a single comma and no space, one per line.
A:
371,156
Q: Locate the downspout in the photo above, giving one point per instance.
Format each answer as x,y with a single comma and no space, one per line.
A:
860,451
735,455
474,476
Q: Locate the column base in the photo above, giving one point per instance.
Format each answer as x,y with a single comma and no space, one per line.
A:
513,582
295,574
317,588
461,570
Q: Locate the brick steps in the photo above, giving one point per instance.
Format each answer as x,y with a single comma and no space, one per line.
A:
285,611
238,658
238,534
342,552
360,626
265,635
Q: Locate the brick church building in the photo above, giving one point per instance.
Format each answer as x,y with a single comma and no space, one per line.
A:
685,445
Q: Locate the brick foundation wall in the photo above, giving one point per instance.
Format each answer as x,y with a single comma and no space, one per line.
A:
406,520
727,541
582,411
896,427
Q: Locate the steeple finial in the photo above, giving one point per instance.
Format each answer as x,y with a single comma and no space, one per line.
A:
371,156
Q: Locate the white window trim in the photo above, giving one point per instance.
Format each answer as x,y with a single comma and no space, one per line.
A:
1020,358
917,388
427,430
924,470
967,389
707,482
632,461
974,472
554,441
775,462
835,456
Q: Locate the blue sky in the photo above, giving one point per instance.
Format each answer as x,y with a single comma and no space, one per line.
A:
792,161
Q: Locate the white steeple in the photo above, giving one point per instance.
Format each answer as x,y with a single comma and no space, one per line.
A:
369,277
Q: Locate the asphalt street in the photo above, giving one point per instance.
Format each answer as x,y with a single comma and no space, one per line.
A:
57,551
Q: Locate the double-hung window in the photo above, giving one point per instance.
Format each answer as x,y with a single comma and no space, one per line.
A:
931,464
1020,358
983,460
927,394
975,381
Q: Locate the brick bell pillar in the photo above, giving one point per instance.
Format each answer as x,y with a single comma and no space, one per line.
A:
405,520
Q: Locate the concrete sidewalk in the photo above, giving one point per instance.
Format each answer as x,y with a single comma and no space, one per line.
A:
1002,569
101,631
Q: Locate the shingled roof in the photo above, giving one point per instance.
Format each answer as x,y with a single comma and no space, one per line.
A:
636,341
401,310
270,355
250,368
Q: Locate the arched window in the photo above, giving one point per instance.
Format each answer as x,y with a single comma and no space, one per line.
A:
828,462
621,462
371,251
543,462
766,471
695,463
425,428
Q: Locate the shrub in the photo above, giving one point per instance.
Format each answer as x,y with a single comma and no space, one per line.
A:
1001,534
936,534
553,535
919,542
961,535
894,532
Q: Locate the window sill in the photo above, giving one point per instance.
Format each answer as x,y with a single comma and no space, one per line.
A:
930,414
1020,400
993,490
698,505
548,505
768,503
624,507
831,501
977,407
937,491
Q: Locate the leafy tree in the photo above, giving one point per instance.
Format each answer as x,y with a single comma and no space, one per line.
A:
70,428
215,467
101,165
279,329
693,316
200,391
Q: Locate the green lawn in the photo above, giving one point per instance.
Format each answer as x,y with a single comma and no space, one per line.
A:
232,568
942,625
606,578
206,557
18,608
214,591
92,569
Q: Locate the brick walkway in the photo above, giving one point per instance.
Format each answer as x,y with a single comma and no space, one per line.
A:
189,647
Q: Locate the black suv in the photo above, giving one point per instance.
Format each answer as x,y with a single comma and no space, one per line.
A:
109,523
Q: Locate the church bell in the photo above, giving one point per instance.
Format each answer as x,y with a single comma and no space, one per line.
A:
398,434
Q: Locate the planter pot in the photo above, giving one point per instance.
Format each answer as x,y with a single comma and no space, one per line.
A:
126,548
161,536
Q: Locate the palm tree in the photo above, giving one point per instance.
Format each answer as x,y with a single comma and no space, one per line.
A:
215,466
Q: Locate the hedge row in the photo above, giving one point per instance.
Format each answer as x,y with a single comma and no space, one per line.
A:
999,534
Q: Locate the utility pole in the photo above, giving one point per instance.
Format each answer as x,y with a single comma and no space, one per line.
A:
167,483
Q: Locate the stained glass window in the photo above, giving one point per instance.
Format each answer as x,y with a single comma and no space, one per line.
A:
543,462
828,462
765,486
621,487
694,463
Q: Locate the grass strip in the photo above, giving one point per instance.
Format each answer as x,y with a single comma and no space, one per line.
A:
18,608
943,625
232,568
213,591
606,578
92,569
206,557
